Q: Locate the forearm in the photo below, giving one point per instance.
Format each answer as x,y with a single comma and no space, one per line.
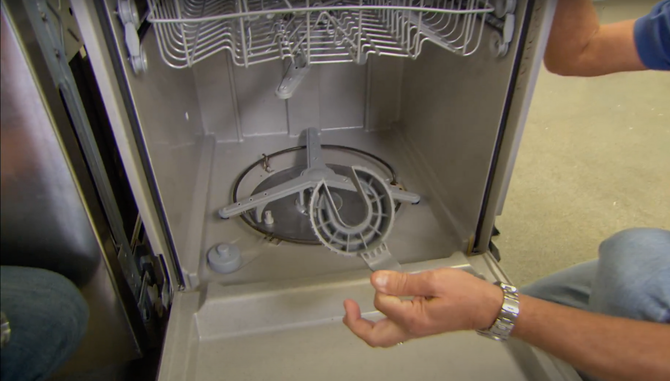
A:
606,347
578,45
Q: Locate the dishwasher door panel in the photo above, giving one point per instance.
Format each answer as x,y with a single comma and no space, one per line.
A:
292,330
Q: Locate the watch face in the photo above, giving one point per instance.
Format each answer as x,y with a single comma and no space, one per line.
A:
507,287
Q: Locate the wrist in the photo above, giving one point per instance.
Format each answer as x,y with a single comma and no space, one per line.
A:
503,325
492,303
529,306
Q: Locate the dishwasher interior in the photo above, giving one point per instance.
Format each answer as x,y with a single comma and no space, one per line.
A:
425,118
292,146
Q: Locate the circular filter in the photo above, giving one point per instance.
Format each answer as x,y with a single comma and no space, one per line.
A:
352,236
291,217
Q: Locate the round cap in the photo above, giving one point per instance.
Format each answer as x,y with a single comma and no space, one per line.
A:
224,258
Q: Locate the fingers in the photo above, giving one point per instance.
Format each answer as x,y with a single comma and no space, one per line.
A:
352,319
384,333
406,318
404,284
408,314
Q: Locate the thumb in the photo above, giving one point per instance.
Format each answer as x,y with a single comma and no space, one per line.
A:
404,284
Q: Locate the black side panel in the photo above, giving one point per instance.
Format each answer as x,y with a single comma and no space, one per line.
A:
102,130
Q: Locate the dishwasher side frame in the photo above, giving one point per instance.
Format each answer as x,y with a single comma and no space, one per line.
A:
125,125
520,95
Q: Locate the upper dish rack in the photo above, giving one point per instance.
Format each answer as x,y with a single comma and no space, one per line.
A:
313,31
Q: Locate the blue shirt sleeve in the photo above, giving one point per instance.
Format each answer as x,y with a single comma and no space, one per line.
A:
652,37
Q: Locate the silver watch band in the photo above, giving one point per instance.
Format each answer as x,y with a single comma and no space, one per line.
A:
4,330
504,324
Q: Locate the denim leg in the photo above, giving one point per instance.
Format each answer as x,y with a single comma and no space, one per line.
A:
633,276
630,279
47,316
570,287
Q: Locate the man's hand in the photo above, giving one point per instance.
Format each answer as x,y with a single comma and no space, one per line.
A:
444,300
447,300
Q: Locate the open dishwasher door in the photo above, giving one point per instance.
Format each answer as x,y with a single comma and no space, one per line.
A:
214,105
292,330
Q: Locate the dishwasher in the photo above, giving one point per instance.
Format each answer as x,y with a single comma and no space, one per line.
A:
280,150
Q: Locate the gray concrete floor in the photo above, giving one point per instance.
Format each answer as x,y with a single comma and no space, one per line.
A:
595,159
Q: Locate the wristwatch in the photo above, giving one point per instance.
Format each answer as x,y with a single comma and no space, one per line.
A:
504,324
4,330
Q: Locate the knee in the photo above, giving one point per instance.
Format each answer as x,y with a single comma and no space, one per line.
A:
633,275
48,317
68,307
57,299
636,245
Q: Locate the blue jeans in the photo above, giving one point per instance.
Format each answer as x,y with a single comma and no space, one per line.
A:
48,317
630,278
